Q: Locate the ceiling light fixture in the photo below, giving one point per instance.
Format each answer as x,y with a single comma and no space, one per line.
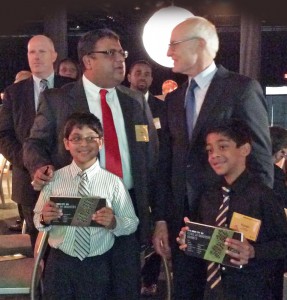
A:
157,31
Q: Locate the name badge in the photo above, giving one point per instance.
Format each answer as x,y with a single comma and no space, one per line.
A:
156,122
141,133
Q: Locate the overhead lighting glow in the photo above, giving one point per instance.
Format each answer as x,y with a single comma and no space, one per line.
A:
157,31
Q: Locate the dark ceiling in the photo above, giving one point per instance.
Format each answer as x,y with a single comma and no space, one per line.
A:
25,16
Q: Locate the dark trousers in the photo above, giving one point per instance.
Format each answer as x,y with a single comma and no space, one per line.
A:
189,276
68,278
126,268
28,216
151,270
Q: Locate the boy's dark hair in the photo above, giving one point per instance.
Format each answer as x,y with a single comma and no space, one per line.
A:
278,138
87,42
79,120
235,129
139,62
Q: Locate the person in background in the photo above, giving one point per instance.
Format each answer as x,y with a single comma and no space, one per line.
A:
212,94
130,152
167,87
140,79
68,266
279,151
16,119
21,75
228,146
68,67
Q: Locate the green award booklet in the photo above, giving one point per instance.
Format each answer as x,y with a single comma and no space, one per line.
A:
207,242
77,211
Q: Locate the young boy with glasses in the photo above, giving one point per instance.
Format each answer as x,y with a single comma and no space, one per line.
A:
85,273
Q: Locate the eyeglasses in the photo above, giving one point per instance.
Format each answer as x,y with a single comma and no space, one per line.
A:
78,139
112,53
172,44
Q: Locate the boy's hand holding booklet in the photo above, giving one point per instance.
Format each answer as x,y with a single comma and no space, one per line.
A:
77,211
207,242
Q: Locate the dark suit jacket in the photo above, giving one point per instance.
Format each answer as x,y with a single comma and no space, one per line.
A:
16,119
45,145
183,166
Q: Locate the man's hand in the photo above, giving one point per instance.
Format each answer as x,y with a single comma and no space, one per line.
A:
51,212
160,239
245,251
105,216
42,176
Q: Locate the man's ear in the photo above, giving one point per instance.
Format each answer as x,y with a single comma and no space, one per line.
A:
87,62
129,78
101,143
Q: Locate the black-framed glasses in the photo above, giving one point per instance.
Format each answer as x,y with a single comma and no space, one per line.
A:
78,139
112,53
182,41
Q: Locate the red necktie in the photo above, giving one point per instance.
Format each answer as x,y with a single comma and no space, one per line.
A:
112,150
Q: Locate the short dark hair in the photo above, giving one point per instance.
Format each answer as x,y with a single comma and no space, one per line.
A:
70,60
235,129
278,138
87,42
139,62
79,120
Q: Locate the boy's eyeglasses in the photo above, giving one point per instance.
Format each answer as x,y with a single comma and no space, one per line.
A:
79,139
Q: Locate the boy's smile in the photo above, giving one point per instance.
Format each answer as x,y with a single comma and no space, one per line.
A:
225,157
84,145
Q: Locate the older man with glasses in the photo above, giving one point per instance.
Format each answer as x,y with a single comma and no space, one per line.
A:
130,140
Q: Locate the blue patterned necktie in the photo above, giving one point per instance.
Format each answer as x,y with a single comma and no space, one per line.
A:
190,107
213,269
82,234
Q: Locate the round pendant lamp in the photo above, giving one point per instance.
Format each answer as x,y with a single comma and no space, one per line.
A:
157,31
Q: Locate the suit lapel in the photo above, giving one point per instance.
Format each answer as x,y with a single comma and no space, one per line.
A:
29,106
77,96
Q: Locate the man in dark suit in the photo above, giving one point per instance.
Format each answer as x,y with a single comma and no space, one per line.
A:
140,79
184,172
16,119
103,62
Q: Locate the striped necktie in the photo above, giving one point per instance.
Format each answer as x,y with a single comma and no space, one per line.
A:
190,108
213,269
82,234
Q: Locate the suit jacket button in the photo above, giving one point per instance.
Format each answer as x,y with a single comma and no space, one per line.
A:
188,166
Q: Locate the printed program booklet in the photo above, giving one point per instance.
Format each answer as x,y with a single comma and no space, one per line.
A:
207,242
77,211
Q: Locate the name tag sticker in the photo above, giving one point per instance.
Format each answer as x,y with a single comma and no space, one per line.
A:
156,122
142,133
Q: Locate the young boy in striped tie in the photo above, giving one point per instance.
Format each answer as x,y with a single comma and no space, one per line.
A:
79,263
228,146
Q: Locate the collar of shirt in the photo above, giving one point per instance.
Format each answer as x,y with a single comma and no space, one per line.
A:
240,182
91,171
50,80
146,95
91,89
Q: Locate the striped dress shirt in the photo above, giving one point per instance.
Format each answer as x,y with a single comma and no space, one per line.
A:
101,183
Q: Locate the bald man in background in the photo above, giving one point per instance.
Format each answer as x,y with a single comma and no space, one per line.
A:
16,119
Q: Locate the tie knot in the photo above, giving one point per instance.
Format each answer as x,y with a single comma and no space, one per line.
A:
83,175
225,191
103,92
43,84
192,85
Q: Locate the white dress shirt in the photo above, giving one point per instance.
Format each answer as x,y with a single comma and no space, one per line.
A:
94,101
203,81
101,183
